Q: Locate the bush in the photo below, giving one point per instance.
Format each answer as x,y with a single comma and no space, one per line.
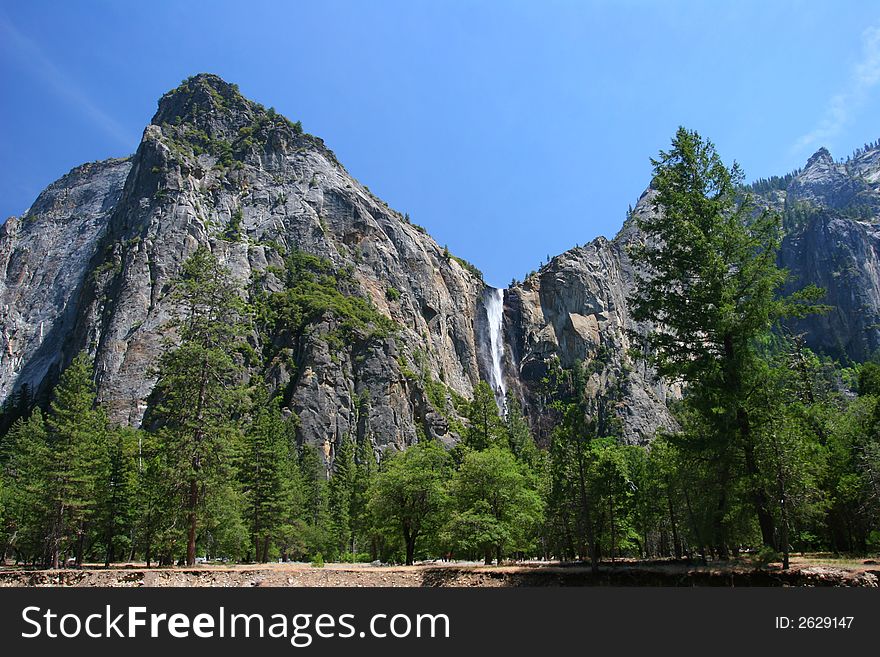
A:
233,228
318,561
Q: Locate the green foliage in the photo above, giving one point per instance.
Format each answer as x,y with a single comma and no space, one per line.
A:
712,292
772,451
485,428
443,399
28,509
116,494
765,556
77,435
869,379
773,183
496,506
409,494
711,283
267,474
198,142
364,533
339,497
470,267
199,393
232,232
313,289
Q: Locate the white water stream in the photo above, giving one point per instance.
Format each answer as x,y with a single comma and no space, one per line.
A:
495,313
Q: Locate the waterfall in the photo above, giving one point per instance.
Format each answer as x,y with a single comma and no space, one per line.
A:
494,300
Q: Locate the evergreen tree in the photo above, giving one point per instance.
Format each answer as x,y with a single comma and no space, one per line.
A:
613,487
711,291
77,438
851,478
156,507
518,433
116,494
264,472
364,473
485,428
26,476
571,498
199,391
313,477
339,497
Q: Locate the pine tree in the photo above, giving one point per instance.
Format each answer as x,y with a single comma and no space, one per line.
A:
199,390
263,473
313,478
361,522
519,435
710,287
26,476
116,494
77,437
156,509
572,503
485,428
339,496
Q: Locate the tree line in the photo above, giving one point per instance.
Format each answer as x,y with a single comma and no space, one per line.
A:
775,449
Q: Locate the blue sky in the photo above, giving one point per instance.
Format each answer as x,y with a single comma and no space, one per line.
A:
510,130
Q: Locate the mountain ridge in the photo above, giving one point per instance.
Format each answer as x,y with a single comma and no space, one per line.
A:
216,169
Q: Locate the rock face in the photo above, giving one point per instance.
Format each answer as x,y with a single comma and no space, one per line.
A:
832,240
90,263
89,267
45,257
575,309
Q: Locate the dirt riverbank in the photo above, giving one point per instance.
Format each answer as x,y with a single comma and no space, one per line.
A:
804,573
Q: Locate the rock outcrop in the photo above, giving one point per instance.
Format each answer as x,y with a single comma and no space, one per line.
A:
575,309
832,240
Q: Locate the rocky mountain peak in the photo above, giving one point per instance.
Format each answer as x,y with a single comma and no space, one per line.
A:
199,97
206,114
823,182
822,157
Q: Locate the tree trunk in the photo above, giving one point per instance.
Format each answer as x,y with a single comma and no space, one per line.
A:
759,495
694,527
676,543
409,538
585,508
192,522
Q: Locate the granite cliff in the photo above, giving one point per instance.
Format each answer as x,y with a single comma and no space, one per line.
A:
88,266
